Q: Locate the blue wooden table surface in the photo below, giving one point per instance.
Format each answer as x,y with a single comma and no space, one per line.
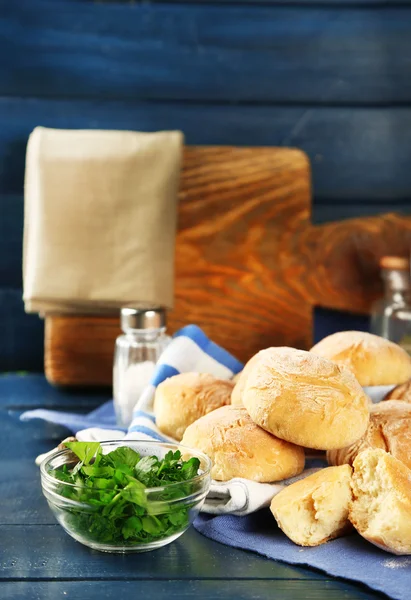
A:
39,560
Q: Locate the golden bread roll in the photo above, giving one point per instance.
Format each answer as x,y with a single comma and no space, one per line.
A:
240,382
373,359
306,399
389,429
401,393
239,448
381,506
315,509
236,377
184,398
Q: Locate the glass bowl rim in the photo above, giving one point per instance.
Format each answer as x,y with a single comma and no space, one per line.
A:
208,462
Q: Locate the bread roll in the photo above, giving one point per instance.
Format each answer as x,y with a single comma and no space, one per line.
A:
306,399
239,448
184,398
389,429
315,509
400,392
372,359
236,394
381,505
236,377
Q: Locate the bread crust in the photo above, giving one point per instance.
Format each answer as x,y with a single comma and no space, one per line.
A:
239,448
373,359
237,393
389,429
184,398
305,399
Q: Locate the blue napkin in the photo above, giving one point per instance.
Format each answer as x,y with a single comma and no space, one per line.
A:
350,557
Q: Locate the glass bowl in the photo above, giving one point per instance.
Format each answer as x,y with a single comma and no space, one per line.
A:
168,510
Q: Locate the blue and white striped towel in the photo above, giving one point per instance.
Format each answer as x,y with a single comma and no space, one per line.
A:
189,350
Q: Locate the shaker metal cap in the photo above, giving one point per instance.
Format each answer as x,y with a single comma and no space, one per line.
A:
143,318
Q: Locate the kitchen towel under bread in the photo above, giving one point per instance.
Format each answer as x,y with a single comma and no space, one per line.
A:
350,557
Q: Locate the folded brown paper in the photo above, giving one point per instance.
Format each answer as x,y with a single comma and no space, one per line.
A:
100,219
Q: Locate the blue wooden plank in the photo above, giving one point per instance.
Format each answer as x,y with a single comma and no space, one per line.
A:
23,392
328,321
21,335
52,554
11,236
179,590
315,3
356,153
326,212
26,441
206,52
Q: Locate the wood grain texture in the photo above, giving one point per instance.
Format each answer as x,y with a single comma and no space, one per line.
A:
240,212
342,259
206,52
246,253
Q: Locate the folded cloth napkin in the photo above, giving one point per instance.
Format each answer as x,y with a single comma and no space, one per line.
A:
349,557
100,219
190,350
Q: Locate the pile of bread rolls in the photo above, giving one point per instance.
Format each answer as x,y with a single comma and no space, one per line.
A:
285,400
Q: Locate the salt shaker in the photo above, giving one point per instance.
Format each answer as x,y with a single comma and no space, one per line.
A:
391,315
136,352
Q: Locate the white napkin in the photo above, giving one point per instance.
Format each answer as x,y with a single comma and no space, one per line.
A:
378,392
241,496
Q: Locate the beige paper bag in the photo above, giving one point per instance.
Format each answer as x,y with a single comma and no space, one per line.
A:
100,219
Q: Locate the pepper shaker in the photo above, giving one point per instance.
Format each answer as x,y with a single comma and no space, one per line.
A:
137,351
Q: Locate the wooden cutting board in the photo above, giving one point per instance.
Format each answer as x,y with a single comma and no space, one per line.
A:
249,264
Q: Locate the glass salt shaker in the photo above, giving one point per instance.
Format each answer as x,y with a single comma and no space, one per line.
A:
391,315
136,353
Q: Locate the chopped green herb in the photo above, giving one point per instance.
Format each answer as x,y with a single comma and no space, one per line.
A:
114,486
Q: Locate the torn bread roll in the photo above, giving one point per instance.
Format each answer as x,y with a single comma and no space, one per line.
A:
315,509
381,506
389,429
306,399
184,398
373,359
239,448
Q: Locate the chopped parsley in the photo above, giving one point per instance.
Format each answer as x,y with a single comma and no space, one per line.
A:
113,485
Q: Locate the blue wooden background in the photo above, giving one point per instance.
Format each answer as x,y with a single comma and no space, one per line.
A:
330,77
